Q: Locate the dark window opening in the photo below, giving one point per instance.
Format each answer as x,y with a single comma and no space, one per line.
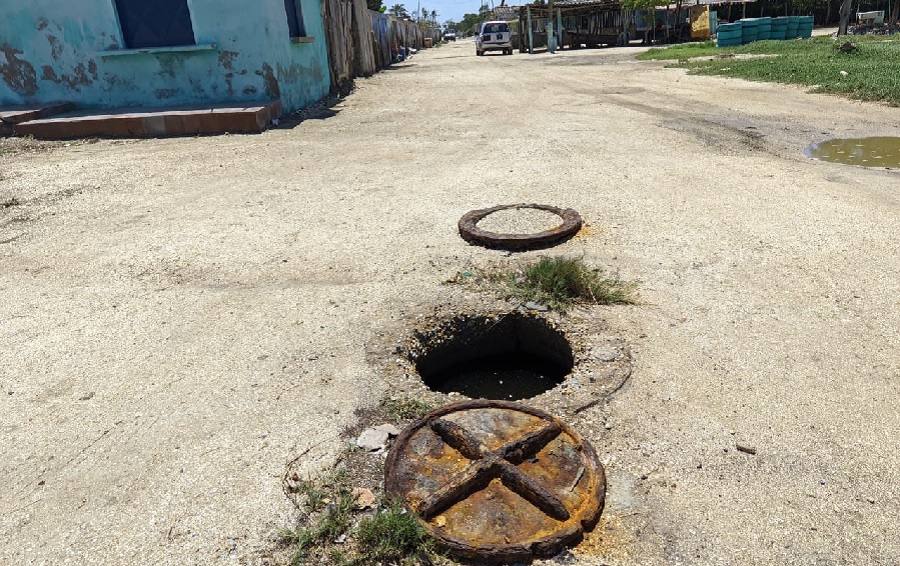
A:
295,18
161,23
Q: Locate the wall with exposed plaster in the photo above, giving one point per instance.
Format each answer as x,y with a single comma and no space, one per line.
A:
61,51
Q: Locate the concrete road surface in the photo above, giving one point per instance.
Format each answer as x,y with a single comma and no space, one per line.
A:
182,317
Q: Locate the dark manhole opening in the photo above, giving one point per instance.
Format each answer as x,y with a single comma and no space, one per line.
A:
511,357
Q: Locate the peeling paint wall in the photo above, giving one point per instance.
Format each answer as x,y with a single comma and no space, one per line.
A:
60,51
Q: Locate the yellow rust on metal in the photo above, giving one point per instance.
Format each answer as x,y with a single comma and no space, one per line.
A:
497,481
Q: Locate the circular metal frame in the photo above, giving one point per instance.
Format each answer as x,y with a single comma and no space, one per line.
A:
468,229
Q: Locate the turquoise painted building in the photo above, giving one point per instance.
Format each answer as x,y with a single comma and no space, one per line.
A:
152,53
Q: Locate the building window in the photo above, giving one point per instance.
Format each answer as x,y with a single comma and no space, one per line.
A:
160,23
294,18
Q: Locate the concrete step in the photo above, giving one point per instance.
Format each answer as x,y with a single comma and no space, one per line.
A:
12,115
245,118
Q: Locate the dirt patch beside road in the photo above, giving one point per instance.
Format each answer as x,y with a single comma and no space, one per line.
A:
186,316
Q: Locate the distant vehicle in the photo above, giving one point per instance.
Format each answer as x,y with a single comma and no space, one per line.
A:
450,35
494,36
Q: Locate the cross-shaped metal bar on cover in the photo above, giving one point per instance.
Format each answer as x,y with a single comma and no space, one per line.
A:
487,465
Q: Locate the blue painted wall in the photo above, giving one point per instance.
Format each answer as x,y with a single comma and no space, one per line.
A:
52,50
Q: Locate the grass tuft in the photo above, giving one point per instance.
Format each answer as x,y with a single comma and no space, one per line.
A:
335,531
562,282
406,408
391,536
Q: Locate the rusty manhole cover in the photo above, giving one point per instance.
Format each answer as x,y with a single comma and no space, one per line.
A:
469,230
496,480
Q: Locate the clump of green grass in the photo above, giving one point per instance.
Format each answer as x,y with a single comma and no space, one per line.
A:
406,408
328,508
336,532
561,282
870,72
392,536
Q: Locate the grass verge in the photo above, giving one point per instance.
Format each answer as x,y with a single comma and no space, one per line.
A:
556,282
870,72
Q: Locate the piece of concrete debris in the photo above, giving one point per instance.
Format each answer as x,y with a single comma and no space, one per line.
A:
389,428
363,498
372,439
746,449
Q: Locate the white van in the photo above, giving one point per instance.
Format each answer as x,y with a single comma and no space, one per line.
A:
494,36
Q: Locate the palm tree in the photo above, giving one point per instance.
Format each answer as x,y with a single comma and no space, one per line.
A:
424,13
398,10
434,16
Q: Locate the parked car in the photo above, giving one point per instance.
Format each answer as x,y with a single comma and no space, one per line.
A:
494,36
450,35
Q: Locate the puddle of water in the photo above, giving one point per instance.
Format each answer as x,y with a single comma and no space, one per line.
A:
511,377
865,152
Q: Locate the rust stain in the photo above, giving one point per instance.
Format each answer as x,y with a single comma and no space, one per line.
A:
56,47
587,231
611,540
42,24
250,90
82,76
270,82
226,61
17,73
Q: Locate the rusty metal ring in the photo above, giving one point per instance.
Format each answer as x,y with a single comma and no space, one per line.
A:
497,481
468,229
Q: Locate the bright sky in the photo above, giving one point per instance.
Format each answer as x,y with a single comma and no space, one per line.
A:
446,9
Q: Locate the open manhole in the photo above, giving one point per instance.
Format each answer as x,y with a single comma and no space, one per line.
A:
511,356
519,226
497,481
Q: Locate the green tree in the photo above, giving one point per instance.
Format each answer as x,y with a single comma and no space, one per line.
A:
398,10
374,5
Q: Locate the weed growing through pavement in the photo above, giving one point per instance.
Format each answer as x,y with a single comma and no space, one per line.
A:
393,536
337,529
405,408
556,282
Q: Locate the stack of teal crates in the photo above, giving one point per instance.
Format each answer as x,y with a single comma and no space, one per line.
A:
779,28
748,30
805,26
728,35
793,24
764,30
